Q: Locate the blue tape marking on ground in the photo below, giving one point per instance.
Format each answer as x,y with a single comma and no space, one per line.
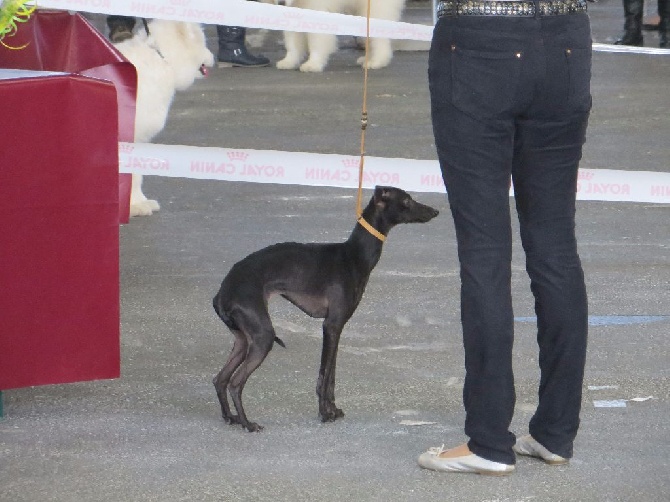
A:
610,320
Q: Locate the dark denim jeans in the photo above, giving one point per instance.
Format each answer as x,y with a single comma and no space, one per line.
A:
510,97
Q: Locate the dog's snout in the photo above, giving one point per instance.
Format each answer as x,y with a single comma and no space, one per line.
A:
429,212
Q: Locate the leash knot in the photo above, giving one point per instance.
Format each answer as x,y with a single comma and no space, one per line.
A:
364,120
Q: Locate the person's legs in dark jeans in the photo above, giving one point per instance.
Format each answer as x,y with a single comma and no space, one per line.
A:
474,130
544,184
479,202
548,148
512,97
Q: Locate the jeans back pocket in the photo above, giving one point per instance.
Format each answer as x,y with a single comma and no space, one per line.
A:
484,83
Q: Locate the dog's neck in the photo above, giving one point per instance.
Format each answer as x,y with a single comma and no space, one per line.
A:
363,222
366,247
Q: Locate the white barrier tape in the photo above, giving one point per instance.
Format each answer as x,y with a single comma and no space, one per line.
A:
273,17
629,49
249,14
313,169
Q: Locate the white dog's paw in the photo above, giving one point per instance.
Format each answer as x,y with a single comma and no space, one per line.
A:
312,66
144,208
374,64
153,204
287,64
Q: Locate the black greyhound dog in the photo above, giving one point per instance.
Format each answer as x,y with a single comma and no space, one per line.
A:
325,281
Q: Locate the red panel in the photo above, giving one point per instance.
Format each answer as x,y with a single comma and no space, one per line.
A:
59,244
59,41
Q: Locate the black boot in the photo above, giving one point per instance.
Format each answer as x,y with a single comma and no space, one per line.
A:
664,23
632,35
232,50
120,28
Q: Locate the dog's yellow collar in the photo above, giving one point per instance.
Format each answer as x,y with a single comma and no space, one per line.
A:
371,229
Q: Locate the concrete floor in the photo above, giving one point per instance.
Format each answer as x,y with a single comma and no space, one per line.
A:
155,434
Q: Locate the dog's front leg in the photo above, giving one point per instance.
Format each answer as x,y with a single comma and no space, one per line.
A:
320,48
139,204
325,387
381,54
296,50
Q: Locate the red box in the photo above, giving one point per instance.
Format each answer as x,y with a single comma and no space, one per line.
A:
60,194
59,239
63,42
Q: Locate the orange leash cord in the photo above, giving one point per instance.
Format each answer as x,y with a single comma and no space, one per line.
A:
364,125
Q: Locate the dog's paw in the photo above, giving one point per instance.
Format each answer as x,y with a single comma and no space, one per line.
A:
153,204
373,64
144,208
287,64
312,66
331,414
253,427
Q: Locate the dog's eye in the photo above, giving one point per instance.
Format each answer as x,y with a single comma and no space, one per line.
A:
407,202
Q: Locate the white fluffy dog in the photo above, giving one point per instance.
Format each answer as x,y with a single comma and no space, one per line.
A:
318,47
168,59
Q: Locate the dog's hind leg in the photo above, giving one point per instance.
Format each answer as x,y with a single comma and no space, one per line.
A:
221,380
260,338
325,387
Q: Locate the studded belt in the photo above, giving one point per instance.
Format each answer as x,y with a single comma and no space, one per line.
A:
514,8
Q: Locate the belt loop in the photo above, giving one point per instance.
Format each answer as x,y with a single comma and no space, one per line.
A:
538,12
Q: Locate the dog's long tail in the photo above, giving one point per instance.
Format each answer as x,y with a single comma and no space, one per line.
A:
230,322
